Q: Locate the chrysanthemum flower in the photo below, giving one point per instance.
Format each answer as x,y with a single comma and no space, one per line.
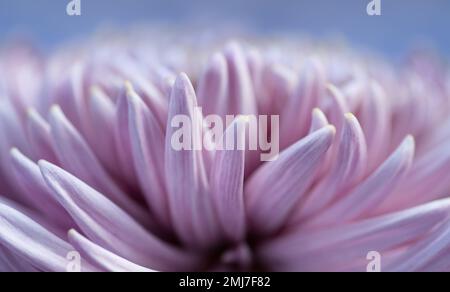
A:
86,163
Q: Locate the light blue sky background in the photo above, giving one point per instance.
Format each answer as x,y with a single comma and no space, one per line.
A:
404,22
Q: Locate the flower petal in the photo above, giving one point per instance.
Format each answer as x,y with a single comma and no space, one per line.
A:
147,141
228,183
371,192
328,249
277,186
190,202
374,120
109,226
34,188
101,138
38,134
76,157
241,99
31,241
348,168
103,258
213,86
318,121
309,90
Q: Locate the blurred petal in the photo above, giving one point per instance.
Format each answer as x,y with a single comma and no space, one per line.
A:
38,131
31,241
213,86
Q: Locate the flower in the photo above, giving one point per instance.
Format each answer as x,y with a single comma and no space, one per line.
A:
86,163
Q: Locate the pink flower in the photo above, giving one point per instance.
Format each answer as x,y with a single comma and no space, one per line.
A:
86,162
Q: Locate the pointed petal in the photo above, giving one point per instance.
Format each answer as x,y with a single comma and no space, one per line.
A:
425,252
213,86
335,107
190,202
102,114
428,180
330,248
38,133
103,258
348,168
31,241
11,135
34,188
228,183
280,184
371,192
241,99
147,141
122,138
310,89
76,157
375,117
109,226
319,120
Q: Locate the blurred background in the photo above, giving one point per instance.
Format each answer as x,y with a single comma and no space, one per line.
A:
403,23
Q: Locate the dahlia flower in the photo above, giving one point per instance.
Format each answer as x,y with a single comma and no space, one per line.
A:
87,167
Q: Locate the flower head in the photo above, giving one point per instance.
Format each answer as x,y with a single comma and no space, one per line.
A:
87,163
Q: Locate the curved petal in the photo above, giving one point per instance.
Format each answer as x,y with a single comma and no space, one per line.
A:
328,249
31,241
147,141
369,194
109,226
348,168
277,186
103,258
190,203
76,156
228,183
34,188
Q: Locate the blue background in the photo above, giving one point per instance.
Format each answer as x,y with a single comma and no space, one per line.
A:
403,23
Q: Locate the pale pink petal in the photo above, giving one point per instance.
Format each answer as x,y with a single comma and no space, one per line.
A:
310,88
327,249
372,191
109,226
228,183
191,205
38,134
213,86
348,168
147,141
318,121
280,184
34,188
77,157
32,242
101,257
241,98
